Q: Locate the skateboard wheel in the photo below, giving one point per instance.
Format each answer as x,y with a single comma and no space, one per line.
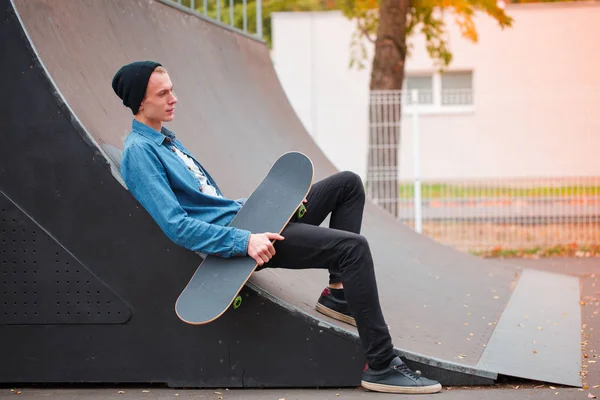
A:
237,302
301,211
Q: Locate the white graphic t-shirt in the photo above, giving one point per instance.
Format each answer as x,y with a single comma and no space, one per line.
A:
206,187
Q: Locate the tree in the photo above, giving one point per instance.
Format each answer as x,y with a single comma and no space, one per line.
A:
388,23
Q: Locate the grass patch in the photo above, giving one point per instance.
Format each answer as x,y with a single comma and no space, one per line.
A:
571,250
437,191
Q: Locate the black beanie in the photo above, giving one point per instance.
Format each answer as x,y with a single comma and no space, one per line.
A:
130,82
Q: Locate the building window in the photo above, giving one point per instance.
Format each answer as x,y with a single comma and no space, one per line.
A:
457,88
424,86
447,92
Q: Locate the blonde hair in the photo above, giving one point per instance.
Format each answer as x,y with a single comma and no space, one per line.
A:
160,69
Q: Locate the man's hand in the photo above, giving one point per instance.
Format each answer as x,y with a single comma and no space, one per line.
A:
260,247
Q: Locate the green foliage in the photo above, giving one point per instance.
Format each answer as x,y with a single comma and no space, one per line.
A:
426,17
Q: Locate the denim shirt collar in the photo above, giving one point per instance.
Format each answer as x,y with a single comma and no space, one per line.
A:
150,133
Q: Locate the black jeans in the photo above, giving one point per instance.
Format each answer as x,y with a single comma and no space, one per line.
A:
344,252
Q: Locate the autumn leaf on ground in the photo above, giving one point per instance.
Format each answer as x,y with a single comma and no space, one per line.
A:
591,396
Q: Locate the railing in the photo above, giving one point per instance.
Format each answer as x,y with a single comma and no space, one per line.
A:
457,97
234,13
529,215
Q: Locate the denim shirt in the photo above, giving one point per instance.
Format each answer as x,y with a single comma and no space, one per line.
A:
172,194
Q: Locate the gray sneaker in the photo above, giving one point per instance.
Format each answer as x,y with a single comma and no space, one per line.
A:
398,378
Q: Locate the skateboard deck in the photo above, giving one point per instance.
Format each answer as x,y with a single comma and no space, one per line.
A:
217,281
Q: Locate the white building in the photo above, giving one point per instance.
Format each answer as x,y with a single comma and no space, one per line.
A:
530,103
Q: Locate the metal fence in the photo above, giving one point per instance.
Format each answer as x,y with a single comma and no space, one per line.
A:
510,214
502,216
234,13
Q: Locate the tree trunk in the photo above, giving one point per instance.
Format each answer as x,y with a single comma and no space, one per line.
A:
385,113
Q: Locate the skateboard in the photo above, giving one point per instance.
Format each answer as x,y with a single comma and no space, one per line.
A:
217,281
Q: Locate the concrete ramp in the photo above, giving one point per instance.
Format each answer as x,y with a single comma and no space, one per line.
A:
458,318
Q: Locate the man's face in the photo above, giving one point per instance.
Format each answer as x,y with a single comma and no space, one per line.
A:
159,103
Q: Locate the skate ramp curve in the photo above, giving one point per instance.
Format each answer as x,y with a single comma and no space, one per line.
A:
454,316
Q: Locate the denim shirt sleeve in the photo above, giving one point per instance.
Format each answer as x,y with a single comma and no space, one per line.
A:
147,180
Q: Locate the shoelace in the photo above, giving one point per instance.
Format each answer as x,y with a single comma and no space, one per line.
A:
407,371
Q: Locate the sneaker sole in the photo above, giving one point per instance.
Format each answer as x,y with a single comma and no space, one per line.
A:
334,314
378,387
